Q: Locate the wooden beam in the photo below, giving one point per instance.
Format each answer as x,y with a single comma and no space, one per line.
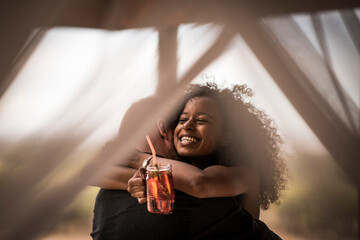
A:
352,24
167,66
209,56
165,13
342,97
18,19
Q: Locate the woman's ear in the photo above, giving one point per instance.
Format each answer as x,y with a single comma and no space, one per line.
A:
162,127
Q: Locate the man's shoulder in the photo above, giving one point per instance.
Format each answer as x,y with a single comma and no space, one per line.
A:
108,195
113,192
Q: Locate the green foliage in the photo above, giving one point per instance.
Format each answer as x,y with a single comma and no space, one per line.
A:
80,212
30,170
321,200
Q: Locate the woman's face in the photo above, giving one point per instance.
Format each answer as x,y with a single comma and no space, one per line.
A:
199,129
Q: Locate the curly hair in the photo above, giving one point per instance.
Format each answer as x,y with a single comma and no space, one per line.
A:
252,138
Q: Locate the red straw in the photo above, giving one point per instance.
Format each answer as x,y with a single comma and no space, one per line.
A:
152,148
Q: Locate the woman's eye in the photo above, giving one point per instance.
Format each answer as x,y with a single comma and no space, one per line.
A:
201,120
182,120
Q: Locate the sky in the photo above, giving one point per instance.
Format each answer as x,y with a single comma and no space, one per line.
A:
87,78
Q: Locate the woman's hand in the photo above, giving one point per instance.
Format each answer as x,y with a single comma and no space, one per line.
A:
137,186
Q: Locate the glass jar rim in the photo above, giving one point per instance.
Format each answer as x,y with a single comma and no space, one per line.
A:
161,167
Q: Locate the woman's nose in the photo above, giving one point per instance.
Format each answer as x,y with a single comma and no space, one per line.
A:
188,125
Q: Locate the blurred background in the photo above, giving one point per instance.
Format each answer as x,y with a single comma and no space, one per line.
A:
68,78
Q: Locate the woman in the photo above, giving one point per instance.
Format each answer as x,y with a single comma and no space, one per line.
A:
231,145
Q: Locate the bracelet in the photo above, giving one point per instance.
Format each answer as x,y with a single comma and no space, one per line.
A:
146,162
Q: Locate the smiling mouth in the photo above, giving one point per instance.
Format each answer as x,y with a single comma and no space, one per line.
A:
187,139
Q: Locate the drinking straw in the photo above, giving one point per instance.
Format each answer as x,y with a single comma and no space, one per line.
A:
152,148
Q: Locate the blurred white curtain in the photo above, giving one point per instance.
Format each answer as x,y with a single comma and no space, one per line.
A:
332,78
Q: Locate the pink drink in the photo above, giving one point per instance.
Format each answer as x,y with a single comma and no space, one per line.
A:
160,189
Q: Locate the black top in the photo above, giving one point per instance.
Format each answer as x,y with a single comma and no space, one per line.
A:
117,215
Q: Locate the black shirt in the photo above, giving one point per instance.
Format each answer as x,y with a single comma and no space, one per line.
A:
117,215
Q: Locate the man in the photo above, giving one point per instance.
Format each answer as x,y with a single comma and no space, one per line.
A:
119,216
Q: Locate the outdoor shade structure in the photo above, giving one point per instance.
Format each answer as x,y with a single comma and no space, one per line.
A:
307,80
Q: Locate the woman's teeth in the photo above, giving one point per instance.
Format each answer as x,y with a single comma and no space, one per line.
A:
189,139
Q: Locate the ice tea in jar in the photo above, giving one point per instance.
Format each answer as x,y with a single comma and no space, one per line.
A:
160,188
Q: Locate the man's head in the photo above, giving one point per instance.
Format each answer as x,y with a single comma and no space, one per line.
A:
161,135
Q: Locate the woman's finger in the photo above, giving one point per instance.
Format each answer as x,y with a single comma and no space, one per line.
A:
136,189
140,194
142,200
136,181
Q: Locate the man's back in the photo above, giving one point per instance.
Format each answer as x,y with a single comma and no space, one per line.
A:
119,216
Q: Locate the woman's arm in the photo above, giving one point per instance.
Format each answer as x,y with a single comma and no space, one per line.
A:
213,181
100,173
221,181
115,177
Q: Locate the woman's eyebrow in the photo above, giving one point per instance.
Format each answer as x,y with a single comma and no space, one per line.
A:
204,113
